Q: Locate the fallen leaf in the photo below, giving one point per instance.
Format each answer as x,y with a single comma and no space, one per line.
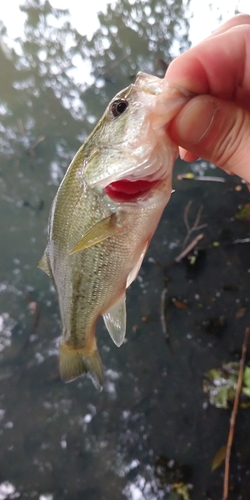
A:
244,212
241,312
219,458
247,377
220,385
180,304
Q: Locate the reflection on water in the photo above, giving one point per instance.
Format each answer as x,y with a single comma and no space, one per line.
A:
66,441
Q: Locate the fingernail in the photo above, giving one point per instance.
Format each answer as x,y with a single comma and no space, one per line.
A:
196,119
183,153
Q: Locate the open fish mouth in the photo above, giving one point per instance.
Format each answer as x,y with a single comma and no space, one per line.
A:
126,190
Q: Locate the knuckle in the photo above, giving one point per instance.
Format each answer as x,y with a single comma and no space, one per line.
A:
231,142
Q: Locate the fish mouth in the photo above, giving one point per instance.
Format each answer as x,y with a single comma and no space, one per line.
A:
135,185
148,83
126,190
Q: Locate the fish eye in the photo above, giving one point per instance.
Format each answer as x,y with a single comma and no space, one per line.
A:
118,107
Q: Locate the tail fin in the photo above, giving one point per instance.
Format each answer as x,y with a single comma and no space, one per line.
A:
76,362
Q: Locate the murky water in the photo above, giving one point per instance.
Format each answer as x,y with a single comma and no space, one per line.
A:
69,442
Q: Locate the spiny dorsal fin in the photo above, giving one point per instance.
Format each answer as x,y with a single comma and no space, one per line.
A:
44,264
99,232
115,321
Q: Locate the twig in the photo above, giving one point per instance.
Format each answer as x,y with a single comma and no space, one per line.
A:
195,226
31,149
38,140
234,414
192,177
189,248
163,316
243,240
185,217
111,66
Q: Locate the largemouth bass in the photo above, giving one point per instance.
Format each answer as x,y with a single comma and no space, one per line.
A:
104,215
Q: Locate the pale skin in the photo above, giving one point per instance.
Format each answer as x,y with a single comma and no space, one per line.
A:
215,123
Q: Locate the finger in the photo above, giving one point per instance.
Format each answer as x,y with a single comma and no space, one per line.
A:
215,66
215,130
232,23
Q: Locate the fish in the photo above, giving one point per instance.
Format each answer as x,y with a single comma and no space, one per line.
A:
104,215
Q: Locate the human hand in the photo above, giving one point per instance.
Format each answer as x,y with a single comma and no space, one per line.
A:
215,124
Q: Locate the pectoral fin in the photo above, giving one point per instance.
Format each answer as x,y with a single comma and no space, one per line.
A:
44,264
115,321
99,232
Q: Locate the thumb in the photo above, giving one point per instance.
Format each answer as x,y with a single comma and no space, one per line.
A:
216,130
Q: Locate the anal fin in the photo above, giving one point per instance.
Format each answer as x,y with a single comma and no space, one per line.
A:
115,321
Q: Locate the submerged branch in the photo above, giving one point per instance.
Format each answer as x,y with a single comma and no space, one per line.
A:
163,316
242,240
196,225
189,248
234,414
192,177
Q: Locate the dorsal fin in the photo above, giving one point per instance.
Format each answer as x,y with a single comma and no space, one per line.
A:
44,264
